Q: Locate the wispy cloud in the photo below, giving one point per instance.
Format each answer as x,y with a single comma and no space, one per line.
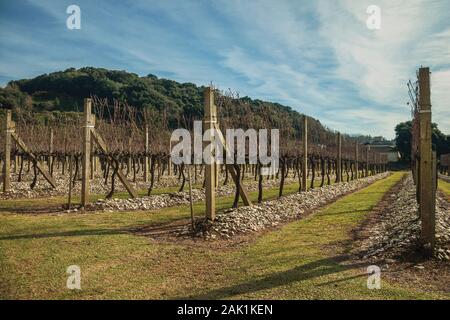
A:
316,56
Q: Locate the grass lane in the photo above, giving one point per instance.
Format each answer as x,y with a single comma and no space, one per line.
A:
444,186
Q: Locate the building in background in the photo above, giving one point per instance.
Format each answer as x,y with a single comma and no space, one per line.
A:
387,148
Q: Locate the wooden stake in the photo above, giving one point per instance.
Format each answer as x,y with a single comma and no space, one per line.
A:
86,152
102,145
39,165
7,152
209,122
427,203
232,171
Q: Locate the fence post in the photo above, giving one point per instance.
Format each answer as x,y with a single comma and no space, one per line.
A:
7,153
209,122
426,205
86,152
339,159
305,154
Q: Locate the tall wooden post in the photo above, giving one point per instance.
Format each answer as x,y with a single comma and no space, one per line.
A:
339,159
146,155
86,152
305,154
356,159
210,122
8,127
426,205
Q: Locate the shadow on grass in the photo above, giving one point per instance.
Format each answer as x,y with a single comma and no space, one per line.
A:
33,208
74,233
304,272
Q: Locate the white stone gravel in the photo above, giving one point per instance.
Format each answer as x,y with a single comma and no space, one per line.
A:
272,213
398,231
97,186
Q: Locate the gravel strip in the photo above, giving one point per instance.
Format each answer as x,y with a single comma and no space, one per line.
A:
97,186
398,231
272,213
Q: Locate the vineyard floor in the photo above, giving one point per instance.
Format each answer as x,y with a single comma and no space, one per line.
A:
55,203
304,259
444,186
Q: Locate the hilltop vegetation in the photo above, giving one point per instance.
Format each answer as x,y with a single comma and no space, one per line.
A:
178,103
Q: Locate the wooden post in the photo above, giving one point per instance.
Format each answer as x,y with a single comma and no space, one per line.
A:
305,154
86,152
7,152
146,155
232,170
426,206
209,122
39,165
102,146
356,159
339,159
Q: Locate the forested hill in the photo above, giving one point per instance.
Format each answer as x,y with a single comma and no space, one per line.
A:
65,90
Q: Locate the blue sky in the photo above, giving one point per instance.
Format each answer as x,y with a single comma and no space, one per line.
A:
318,57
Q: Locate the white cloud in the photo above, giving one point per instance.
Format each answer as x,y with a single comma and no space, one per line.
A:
318,57
379,63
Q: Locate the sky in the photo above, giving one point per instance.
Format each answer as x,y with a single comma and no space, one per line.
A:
319,57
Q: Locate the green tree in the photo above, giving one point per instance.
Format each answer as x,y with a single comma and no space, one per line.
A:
403,140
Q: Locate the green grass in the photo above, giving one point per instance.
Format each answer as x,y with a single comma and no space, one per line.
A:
296,261
444,186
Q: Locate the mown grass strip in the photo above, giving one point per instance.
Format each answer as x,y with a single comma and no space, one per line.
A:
444,186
